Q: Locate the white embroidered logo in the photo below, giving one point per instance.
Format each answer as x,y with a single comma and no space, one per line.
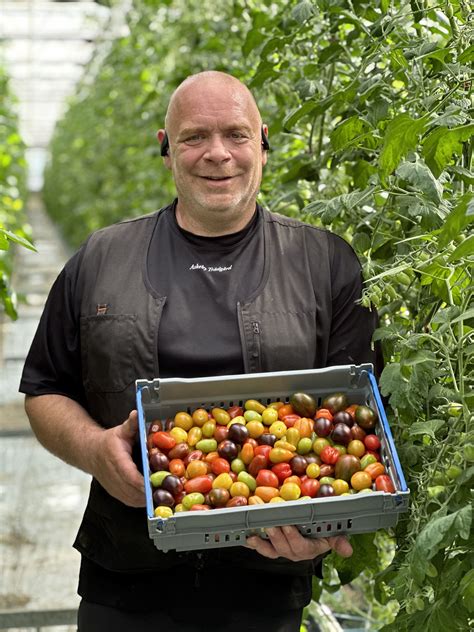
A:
199,266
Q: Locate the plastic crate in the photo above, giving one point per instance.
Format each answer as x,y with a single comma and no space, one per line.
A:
358,513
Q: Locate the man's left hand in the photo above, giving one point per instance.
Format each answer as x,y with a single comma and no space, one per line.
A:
288,542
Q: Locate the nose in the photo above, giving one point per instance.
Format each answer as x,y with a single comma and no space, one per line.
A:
216,149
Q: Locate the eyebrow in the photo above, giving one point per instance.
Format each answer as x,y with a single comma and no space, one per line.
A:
194,130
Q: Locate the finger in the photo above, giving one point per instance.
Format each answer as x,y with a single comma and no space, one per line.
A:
130,425
279,540
263,547
341,545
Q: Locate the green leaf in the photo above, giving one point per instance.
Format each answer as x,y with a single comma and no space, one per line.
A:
294,116
440,145
302,11
458,219
464,249
364,557
17,239
437,534
418,357
401,136
426,427
361,242
347,132
253,39
421,178
464,316
329,209
467,56
467,590
4,242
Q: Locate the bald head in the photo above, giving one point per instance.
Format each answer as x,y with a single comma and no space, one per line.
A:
201,86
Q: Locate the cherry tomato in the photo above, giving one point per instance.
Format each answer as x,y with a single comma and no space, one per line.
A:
329,455
356,447
220,466
237,501
235,411
351,410
323,412
201,484
310,487
198,507
267,478
372,442
266,493
290,420
286,409
264,450
375,469
259,462
177,467
383,483
361,480
374,453
282,470
163,440
247,453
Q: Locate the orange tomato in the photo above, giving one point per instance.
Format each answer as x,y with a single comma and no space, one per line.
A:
266,493
177,467
305,426
323,412
361,480
375,469
286,409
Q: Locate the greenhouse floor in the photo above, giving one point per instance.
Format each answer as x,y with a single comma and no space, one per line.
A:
41,498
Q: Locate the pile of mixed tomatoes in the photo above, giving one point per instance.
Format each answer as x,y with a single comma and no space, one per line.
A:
255,454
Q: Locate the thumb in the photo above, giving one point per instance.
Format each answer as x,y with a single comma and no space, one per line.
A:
130,425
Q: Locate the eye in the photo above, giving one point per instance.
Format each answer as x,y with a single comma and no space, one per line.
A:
194,139
238,137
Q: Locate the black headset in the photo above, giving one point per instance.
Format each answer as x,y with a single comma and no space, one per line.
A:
165,144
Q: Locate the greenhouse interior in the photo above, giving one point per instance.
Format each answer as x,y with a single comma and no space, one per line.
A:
369,111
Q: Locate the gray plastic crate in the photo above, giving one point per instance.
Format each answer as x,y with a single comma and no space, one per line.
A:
359,513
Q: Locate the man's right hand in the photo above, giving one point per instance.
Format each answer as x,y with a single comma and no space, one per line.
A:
113,466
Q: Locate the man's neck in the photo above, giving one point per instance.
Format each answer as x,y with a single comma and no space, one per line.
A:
214,223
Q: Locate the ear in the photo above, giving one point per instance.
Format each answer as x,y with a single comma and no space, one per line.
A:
162,138
265,152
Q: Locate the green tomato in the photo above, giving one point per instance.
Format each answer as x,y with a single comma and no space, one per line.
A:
469,452
453,472
455,409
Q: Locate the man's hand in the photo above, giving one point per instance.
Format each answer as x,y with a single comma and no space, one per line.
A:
288,542
113,464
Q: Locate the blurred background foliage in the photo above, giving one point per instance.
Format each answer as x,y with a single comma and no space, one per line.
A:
13,224
369,106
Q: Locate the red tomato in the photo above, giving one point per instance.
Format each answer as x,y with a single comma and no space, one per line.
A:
290,420
383,483
375,470
235,411
372,442
351,410
220,466
267,478
259,462
282,470
199,508
329,455
202,484
252,442
323,412
263,449
310,487
177,467
163,440
286,409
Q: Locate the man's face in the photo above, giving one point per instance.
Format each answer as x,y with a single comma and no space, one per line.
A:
215,153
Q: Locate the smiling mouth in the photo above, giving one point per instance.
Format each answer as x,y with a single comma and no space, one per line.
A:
217,178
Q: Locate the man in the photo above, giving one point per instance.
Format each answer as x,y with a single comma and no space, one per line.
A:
210,285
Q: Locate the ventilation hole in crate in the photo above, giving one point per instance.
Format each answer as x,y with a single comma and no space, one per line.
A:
217,537
308,530
329,527
237,537
231,403
349,523
339,526
241,403
318,529
227,537
206,537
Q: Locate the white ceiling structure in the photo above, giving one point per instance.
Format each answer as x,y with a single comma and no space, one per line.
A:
44,47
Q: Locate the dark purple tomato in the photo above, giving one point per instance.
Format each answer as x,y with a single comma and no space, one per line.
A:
303,404
357,432
218,497
298,465
169,424
322,427
172,484
341,434
180,451
335,402
325,490
162,497
158,461
228,450
343,417
155,426
365,417
346,466
238,433
267,439
312,458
